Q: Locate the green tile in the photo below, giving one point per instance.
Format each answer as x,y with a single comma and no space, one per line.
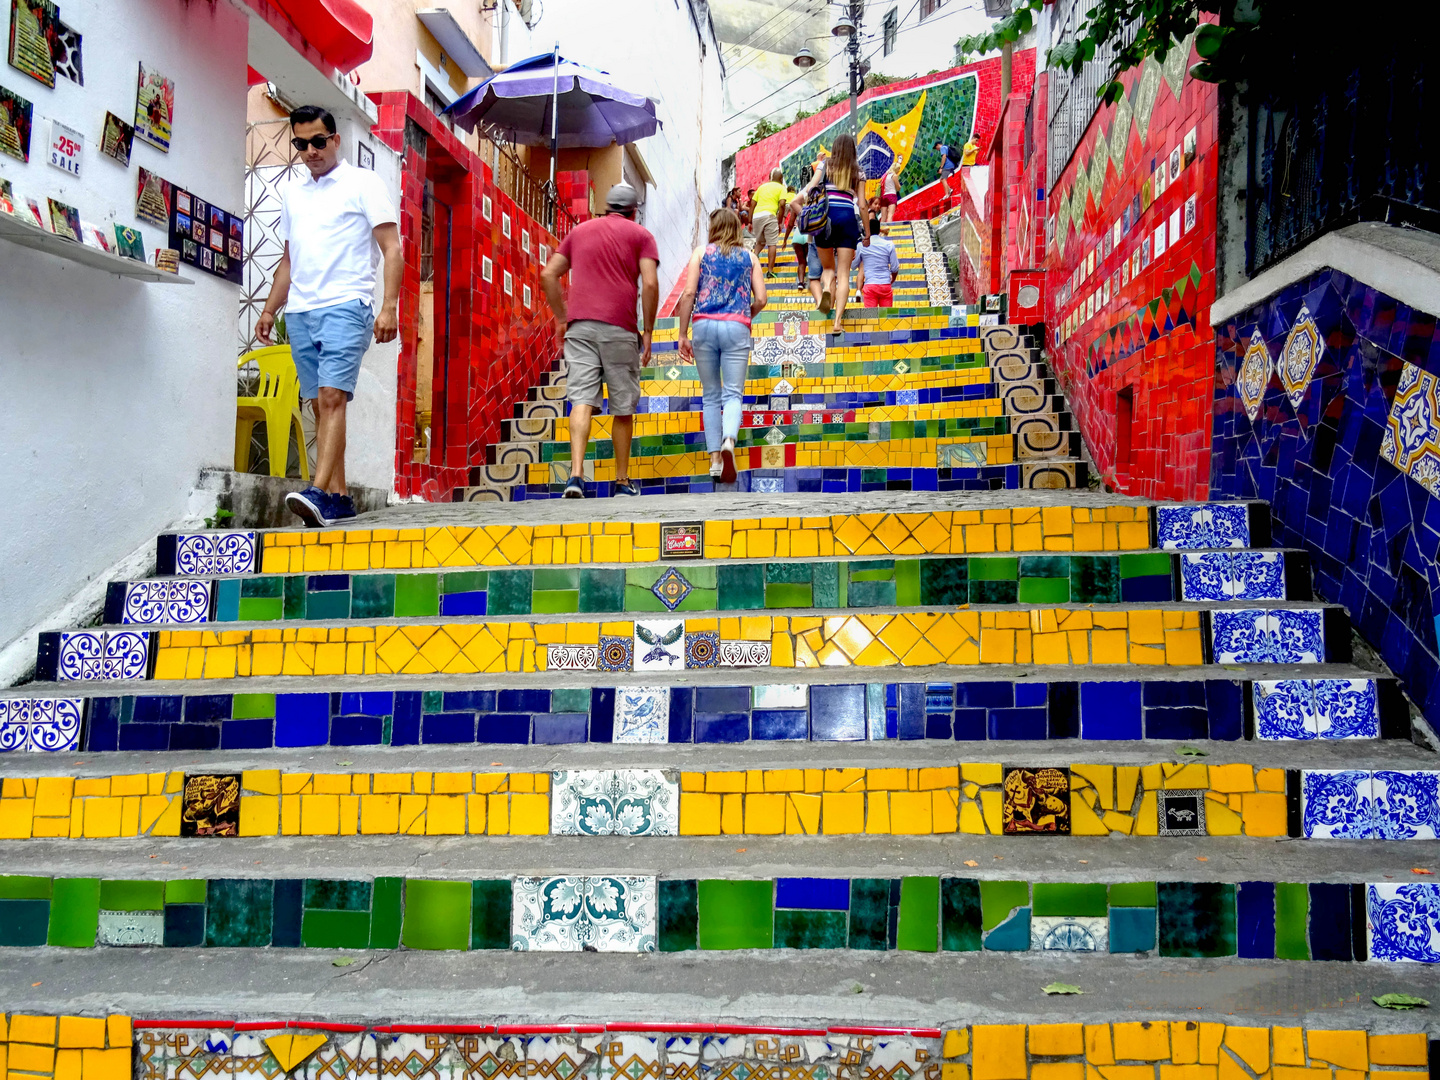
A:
132,895
260,610
328,895
811,929
872,570
1132,894
24,888
1034,590
602,589
740,587
417,595
295,597
998,899
552,602
227,600
335,930
959,914
1196,918
826,579
185,891
788,596
640,598
870,913
331,604
463,581
509,592
239,912
991,592
1292,917
919,929
1003,569
437,913
868,594
271,586
570,699
736,914
1094,579
550,577
1075,899
787,573
252,706
907,582
1144,564
678,921
1045,566
385,908
490,914
372,596
24,922
432,701
944,581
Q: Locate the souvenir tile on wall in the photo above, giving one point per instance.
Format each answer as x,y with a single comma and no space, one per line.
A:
642,713
116,139
210,805
1036,801
65,53
658,645
682,540
1181,813
33,26
574,914
1411,441
16,118
64,220
614,802
1403,922
209,228
40,724
154,198
154,108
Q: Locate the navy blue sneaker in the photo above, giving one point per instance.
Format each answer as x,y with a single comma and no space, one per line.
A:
339,508
310,506
626,487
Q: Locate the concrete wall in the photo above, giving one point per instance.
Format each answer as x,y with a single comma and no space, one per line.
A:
116,393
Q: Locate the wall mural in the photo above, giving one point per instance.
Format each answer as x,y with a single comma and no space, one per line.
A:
1131,234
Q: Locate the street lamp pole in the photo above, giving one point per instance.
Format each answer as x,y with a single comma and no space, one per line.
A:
849,26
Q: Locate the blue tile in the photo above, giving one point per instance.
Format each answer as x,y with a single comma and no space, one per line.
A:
837,713
971,724
456,727
1177,723
374,703
144,737
158,710
938,725
682,709
302,719
553,728
779,724
327,583
1110,710
1029,694
502,728
984,695
722,699
722,727
1255,920
1224,700
1064,708
289,911
1166,692
1149,588
911,720
1019,724
255,734
513,701
207,708
483,701
102,728
1132,930
1330,933
813,894
194,736
356,730
405,729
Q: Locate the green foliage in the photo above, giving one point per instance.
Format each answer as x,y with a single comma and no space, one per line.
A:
220,519
763,130
872,81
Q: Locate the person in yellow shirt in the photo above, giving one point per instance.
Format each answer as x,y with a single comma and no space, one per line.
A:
766,206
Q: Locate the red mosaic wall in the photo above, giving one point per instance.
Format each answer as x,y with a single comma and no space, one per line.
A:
498,344
1131,277
753,163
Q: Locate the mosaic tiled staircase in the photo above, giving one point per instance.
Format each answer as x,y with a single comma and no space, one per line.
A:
904,735
918,397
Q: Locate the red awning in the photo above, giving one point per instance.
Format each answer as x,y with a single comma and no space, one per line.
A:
339,29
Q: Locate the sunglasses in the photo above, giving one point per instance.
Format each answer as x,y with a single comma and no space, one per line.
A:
319,142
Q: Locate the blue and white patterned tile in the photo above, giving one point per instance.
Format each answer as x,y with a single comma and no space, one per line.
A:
783,349
1299,356
767,485
165,601
614,802
1069,933
1210,525
659,644
1346,708
642,714
100,655
40,724
1336,804
207,553
1273,636
1405,805
575,914
1284,709
1403,922
1412,431
1232,575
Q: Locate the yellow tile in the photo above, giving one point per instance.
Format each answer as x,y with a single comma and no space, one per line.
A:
1190,775
765,814
31,1058
331,784
844,779
113,1064
1098,1048
724,781
1251,1045
1057,1070
1144,1040
1187,1072
956,1043
1264,814
52,796
999,1052
910,813
1083,820
1270,780
1232,778
699,813
1398,1050
984,773
842,812
732,814
1220,820
529,814
1057,1040
17,818
1345,1049
259,815
380,814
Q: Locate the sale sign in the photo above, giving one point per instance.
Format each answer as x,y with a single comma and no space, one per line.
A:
66,147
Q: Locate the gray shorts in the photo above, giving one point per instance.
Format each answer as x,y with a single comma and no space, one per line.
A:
596,352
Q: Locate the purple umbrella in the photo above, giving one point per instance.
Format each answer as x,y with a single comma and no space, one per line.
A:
550,101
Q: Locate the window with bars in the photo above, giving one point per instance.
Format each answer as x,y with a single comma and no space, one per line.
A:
891,27
1073,99
929,7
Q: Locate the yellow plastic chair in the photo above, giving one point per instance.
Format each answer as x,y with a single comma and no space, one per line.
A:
277,402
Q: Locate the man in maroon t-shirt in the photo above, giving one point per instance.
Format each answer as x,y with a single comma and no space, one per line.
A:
607,254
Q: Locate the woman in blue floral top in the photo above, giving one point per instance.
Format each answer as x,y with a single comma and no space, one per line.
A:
724,287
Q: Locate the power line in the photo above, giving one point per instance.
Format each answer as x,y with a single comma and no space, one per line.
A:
767,22
800,17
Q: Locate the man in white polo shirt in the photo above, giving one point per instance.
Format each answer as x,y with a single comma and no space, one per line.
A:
335,225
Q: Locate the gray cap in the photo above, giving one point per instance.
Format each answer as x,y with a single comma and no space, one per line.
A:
622,197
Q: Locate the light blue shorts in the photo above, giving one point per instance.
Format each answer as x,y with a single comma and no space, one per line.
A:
328,345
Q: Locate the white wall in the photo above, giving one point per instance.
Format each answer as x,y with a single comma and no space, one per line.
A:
116,393
663,62
920,47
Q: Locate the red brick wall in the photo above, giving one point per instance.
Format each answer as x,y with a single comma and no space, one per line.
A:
498,345
1131,333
